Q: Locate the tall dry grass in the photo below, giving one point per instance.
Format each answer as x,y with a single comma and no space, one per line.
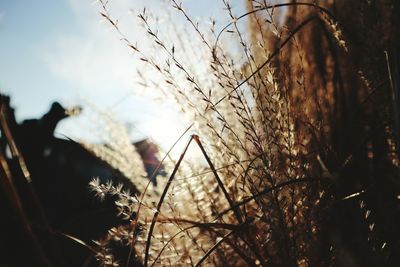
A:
296,128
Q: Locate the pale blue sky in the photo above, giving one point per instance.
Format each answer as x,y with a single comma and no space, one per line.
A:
25,29
61,50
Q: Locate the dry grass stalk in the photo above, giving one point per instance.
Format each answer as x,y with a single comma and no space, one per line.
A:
270,119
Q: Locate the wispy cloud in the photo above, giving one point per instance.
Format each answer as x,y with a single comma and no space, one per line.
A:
93,58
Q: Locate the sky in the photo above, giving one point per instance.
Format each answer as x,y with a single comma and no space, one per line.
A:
65,51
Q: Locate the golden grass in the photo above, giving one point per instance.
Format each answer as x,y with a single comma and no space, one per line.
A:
295,130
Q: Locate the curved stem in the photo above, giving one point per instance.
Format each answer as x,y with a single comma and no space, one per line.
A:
276,52
164,193
148,184
324,10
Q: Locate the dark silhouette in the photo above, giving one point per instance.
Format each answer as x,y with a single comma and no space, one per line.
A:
61,171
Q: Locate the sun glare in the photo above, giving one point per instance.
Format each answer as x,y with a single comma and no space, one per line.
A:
165,130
